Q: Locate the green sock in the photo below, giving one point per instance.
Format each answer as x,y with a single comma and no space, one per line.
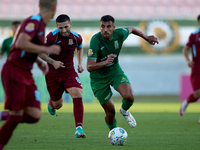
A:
126,105
114,125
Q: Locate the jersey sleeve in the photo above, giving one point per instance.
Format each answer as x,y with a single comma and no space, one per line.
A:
191,40
79,41
49,39
30,27
4,47
125,33
93,49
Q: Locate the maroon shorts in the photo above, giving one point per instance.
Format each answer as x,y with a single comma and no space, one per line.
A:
56,85
20,89
195,77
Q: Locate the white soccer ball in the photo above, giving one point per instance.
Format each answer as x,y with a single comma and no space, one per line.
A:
118,136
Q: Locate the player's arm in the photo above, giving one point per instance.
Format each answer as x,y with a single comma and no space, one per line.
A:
3,49
56,64
79,55
186,55
24,42
150,39
43,66
93,65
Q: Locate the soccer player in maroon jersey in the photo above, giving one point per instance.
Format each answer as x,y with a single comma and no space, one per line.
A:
21,95
194,44
62,76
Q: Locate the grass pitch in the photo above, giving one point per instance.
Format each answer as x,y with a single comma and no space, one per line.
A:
159,127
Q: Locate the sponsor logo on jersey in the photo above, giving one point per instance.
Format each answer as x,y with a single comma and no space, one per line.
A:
41,33
123,79
107,96
45,40
71,41
30,27
59,42
102,48
90,53
77,79
116,44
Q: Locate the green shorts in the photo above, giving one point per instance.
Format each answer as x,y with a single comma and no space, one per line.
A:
101,87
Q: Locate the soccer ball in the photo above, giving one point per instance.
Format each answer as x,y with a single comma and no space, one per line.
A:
118,136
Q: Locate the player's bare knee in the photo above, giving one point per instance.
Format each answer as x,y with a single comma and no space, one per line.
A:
58,106
129,98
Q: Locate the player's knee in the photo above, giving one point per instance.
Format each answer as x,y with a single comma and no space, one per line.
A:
15,118
129,98
30,119
197,94
58,105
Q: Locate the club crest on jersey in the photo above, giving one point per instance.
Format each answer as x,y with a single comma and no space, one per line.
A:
30,27
71,41
90,52
116,44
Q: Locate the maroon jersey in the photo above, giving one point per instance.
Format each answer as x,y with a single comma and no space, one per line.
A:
34,27
68,46
194,43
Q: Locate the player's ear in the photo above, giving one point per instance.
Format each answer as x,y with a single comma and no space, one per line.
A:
70,24
54,8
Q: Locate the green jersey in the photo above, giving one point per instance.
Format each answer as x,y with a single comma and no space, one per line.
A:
7,45
100,49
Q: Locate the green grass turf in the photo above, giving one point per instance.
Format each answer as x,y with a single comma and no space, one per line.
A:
159,127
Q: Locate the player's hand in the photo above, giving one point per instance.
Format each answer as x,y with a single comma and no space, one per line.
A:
80,69
110,59
152,40
58,65
54,49
43,66
190,64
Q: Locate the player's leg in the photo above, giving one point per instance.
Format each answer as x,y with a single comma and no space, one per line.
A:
195,81
55,89
3,115
54,104
109,109
73,86
14,118
32,111
191,98
76,94
125,91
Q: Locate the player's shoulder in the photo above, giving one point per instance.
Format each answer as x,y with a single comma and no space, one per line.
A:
196,31
120,30
96,36
75,34
35,18
8,39
53,33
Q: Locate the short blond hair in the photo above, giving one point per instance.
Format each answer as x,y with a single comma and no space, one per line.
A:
47,4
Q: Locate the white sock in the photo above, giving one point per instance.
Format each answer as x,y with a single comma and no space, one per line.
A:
78,127
124,112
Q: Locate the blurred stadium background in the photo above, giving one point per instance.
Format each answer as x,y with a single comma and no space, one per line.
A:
152,70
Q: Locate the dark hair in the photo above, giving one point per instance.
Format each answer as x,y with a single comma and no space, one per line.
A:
62,18
198,18
16,23
107,18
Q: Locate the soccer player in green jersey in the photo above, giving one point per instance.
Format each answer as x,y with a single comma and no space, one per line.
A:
7,42
105,71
